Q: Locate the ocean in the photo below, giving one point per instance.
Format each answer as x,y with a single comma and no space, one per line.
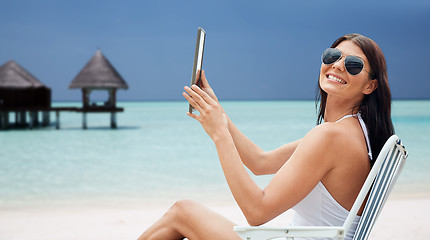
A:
158,153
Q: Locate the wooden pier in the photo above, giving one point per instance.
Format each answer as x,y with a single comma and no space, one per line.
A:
25,96
111,110
40,116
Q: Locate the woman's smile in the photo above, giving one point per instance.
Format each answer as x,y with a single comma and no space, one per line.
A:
335,78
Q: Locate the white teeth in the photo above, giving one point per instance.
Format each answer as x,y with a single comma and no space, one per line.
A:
336,79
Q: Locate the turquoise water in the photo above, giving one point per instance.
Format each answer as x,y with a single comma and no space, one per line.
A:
159,153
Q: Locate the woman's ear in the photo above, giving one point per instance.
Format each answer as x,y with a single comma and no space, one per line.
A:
370,86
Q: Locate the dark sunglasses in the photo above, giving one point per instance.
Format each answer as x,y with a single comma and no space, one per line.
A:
353,64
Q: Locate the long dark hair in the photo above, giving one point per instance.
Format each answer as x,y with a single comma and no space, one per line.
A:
375,108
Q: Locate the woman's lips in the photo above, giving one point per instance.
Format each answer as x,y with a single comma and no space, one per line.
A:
335,79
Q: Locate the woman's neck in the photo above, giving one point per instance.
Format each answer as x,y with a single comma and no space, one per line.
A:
337,108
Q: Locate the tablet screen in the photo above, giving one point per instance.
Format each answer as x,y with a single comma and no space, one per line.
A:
198,60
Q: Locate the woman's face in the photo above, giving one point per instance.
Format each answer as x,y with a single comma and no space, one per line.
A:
336,81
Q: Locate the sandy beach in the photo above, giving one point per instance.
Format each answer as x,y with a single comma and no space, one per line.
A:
402,218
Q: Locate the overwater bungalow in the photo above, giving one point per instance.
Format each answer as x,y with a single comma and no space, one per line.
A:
22,93
99,74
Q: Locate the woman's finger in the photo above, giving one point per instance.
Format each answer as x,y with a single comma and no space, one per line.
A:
205,83
206,87
195,116
203,94
192,102
198,97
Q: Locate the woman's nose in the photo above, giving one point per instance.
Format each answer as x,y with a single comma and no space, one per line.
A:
340,64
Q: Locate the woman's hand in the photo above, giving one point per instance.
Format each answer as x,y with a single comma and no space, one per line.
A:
212,116
207,88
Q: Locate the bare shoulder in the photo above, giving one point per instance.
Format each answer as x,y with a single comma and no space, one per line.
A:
333,141
329,134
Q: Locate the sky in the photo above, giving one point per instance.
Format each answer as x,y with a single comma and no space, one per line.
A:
255,50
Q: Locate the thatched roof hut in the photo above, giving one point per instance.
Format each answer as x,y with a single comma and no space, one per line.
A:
19,88
98,73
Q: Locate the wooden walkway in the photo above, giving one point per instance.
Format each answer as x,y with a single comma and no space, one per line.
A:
33,115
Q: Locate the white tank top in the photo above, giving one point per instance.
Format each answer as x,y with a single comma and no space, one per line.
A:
319,208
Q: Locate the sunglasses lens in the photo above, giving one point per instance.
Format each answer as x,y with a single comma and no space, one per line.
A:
353,65
331,55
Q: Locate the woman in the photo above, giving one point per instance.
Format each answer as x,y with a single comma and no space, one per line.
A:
320,175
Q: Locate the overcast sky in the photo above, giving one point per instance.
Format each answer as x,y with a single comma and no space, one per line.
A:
255,50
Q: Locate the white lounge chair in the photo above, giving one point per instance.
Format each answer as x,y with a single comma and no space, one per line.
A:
380,181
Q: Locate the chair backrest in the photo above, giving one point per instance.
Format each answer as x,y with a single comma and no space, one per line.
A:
380,180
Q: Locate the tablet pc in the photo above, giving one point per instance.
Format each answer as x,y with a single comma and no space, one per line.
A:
198,60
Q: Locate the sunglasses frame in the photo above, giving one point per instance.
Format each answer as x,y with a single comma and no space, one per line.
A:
344,62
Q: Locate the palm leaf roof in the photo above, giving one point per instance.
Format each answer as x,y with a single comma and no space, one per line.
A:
13,76
98,73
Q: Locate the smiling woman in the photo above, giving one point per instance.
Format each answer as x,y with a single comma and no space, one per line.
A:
336,77
353,85
375,106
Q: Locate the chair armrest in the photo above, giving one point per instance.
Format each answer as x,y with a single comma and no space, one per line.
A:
264,232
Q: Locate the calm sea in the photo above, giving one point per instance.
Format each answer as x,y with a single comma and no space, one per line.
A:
159,153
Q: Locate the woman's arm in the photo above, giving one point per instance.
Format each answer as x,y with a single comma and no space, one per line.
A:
310,162
293,182
256,159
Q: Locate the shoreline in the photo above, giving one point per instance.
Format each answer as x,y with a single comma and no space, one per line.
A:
402,218
220,198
